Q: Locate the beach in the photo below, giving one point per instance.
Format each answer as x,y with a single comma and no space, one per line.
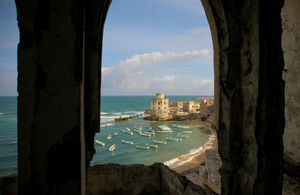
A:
188,164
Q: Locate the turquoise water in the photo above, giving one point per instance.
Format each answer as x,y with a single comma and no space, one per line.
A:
8,134
111,107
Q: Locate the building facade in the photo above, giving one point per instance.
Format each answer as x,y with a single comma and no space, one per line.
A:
162,109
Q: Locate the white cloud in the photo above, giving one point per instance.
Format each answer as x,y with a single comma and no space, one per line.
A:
133,74
166,79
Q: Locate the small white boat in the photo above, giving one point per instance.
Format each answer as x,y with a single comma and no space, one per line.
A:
164,127
127,129
137,130
112,147
126,142
145,134
143,147
174,139
130,133
152,145
109,137
124,131
115,133
164,131
159,142
100,142
149,132
15,142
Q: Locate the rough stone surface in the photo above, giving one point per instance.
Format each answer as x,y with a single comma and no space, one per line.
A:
248,66
291,47
213,164
49,101
9,185
291,185
138,179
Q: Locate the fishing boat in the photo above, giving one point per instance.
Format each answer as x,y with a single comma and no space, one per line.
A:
115,133
143,147
159,142
137,130
109,137
150,132
100,142
126,142
174,139
152,145
164,131
128,132
164,128
145,134
127,129
112,147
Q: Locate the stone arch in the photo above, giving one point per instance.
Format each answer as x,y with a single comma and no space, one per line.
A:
59,61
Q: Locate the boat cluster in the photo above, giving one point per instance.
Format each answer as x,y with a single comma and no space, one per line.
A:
147,133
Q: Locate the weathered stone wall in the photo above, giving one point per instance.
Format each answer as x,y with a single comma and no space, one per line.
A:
138,179
49,101
291,50
249,120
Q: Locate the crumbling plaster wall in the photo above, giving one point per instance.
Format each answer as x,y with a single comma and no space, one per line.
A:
291,50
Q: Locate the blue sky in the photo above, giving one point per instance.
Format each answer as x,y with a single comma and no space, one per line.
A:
148,47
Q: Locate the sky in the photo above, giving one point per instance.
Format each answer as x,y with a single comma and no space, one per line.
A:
148,47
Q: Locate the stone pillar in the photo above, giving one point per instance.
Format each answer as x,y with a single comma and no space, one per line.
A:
291,50
50,80
248,118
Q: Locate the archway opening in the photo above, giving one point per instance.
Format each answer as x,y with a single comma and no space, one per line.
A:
149,48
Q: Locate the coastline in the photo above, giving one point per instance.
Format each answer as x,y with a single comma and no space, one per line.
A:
196,157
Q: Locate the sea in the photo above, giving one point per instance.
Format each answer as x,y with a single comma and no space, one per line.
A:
113,107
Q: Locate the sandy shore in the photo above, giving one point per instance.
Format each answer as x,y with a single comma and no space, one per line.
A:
188,162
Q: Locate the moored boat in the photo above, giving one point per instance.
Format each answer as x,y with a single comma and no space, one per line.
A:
159,142
126,142
164,128
152,145
127,129
128,132
174,139
115,133
112,147
145,134
149,132
100,142
143,147
109,137
164,131
137,130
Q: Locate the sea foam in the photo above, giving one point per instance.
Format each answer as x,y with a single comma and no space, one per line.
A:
175,162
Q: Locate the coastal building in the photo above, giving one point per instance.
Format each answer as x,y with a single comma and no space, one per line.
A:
162,109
